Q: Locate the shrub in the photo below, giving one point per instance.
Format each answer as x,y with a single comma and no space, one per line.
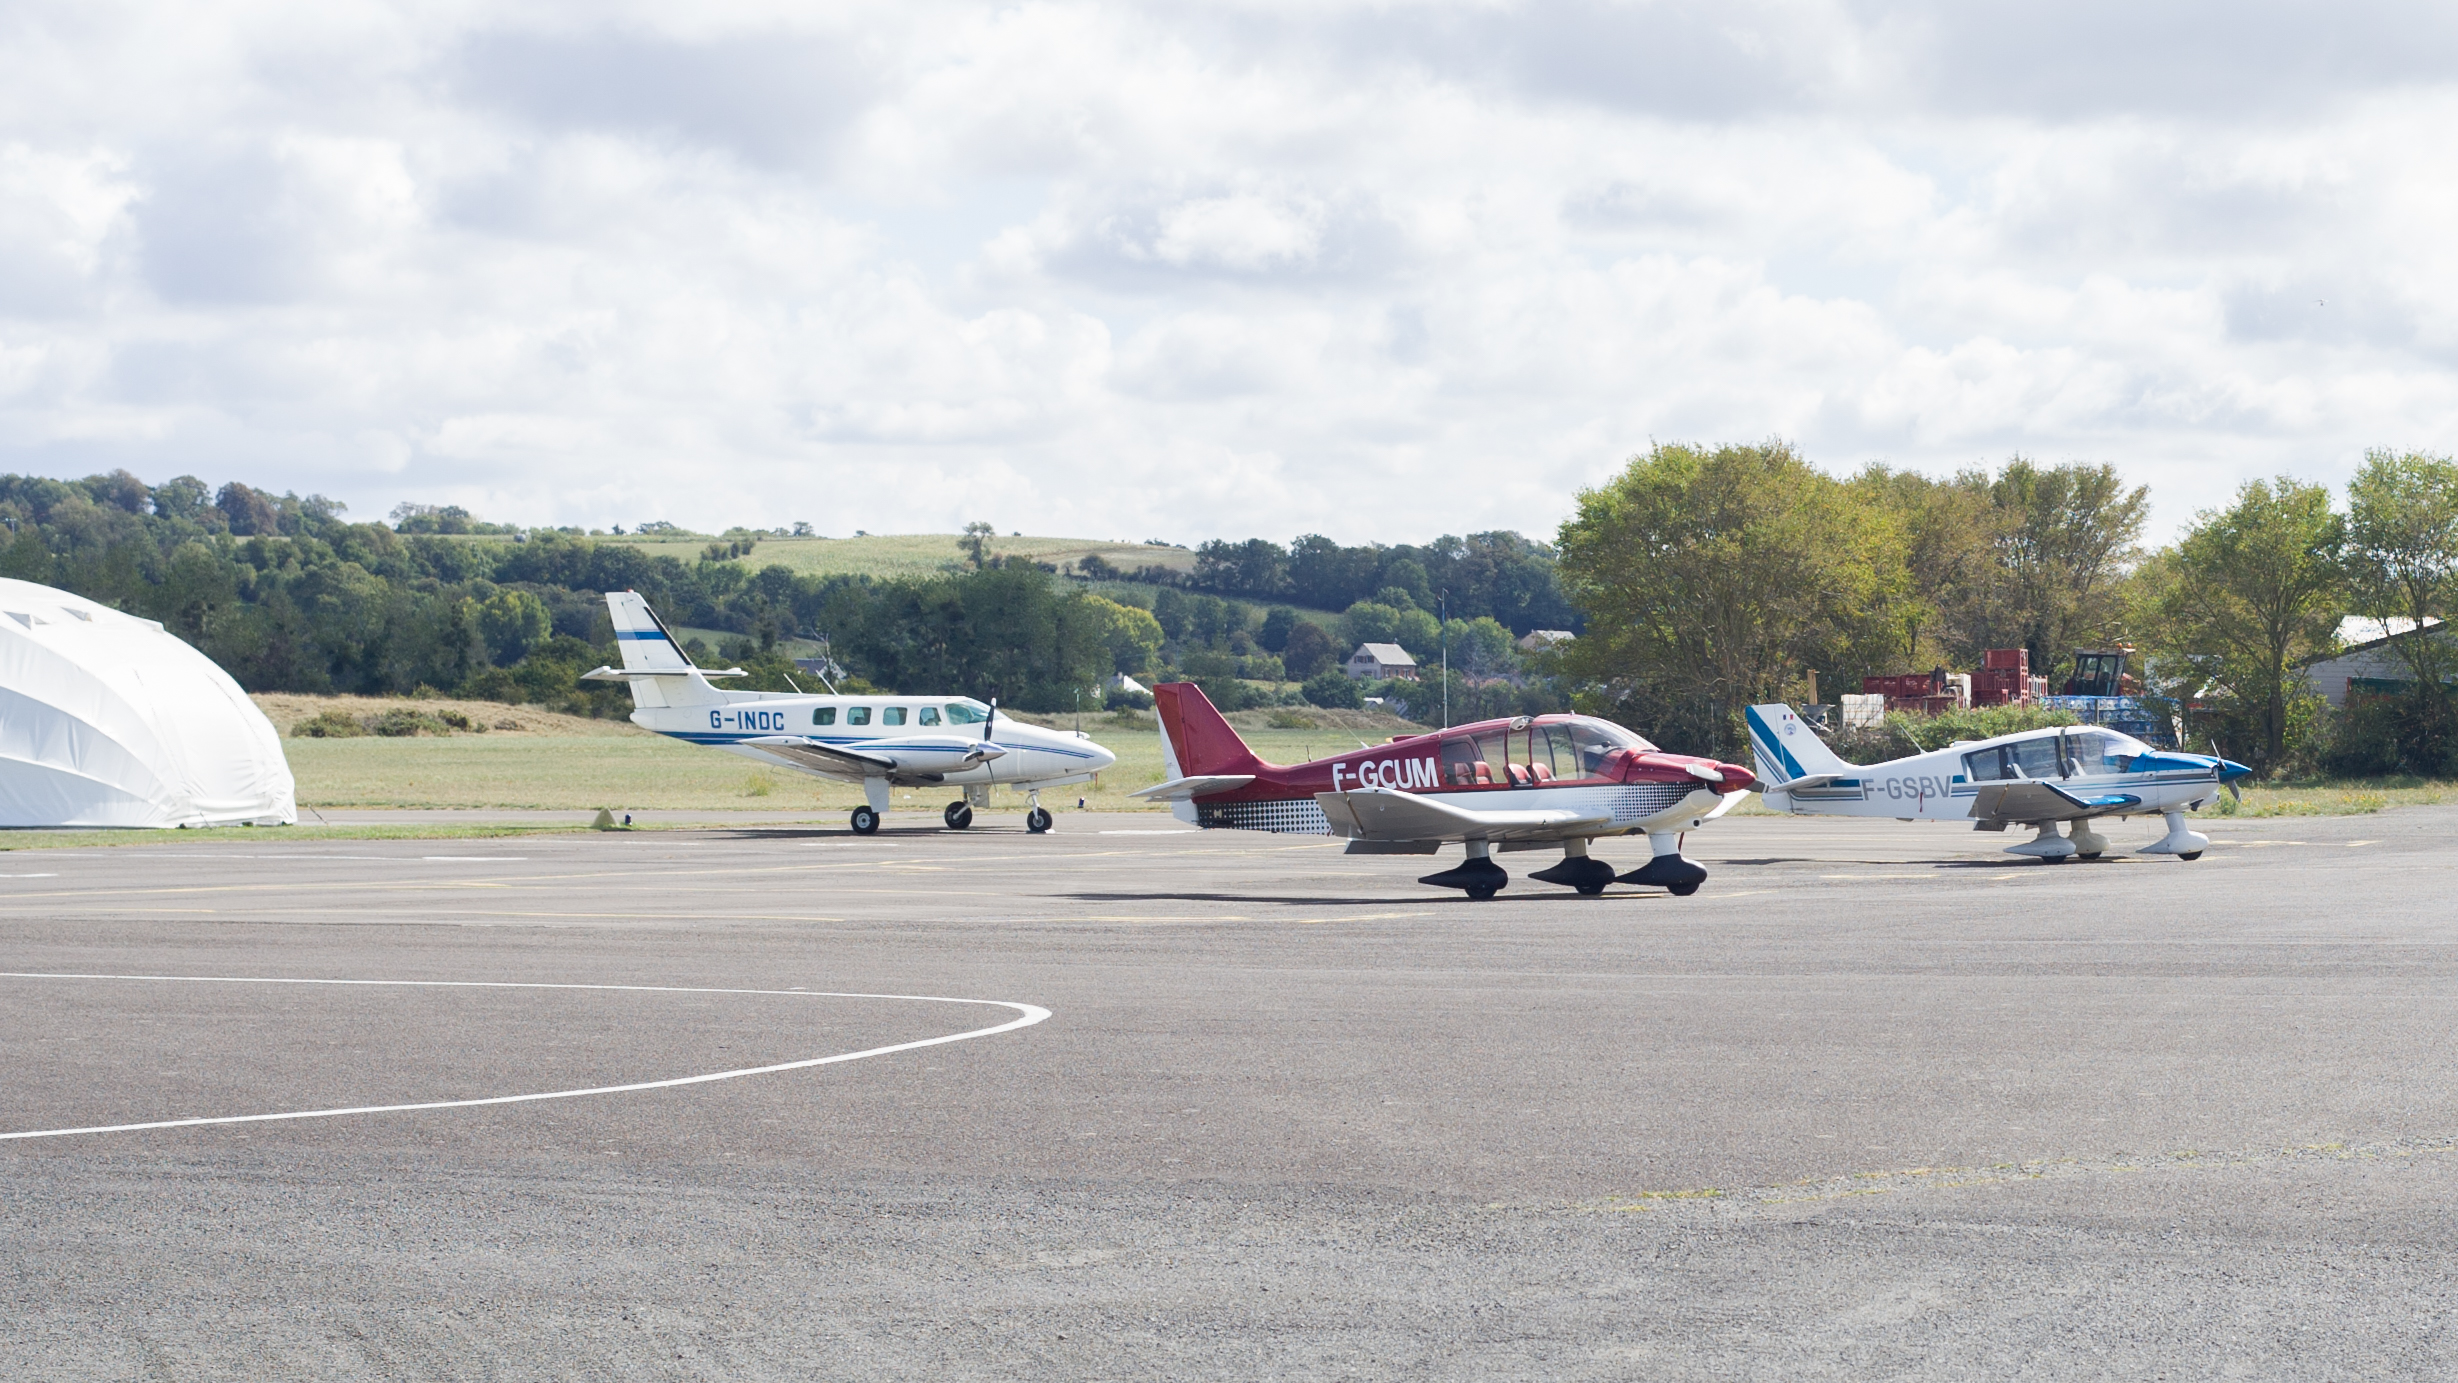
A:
1120,699
1333,690
401,722
2380,735
329,725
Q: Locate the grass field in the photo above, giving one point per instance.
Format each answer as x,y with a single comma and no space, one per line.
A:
568,763
2336,798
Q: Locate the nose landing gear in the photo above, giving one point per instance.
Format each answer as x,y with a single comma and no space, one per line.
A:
1038,820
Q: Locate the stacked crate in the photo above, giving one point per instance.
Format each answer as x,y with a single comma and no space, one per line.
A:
2005,679
1925,693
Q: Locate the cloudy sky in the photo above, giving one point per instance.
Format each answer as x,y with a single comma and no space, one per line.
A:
1377,270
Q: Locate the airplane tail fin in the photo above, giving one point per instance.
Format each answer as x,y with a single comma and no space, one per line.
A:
647,645
653,663
1195,740
1785,748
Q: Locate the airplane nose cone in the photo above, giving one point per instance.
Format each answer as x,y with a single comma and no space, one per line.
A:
1101,757
2230,771
1736,777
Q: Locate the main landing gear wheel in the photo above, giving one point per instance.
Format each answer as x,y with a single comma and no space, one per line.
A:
1585,873
1478,877
2088,855
865,822
1037,820
957,816
2194,856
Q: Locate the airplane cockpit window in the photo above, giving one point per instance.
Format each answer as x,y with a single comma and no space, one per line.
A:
857,715
1590,741
2104,751
929,716
891,715
825,715
966,713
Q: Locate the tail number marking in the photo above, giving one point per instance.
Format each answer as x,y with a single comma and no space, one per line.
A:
1388,773
767,721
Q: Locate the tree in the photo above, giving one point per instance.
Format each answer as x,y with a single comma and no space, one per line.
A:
1309,650
1133,636
2403,532
2255,589
1333,690
181,497
976,542
1481,646
1711,578
2068,536
511,623
1277,622
246,511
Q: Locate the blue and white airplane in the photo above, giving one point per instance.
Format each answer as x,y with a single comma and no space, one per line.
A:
879,742
2038,778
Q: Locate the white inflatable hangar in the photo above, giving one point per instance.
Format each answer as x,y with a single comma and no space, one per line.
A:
111,720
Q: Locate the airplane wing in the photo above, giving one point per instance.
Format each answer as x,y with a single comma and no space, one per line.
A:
1385,814
2027,799
1190,788
827,760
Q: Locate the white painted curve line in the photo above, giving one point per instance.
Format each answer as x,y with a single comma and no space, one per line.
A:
1029,1015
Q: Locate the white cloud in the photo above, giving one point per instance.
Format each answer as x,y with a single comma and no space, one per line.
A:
1377,269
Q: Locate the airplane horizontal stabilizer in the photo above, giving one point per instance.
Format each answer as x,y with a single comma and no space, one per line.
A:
1386,814
633,674
1189,788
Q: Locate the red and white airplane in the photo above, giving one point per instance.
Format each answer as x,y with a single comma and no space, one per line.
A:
1518,784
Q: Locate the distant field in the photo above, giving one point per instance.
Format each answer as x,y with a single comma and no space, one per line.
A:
914,553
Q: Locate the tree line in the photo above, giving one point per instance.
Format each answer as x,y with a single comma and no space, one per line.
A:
1502,576
1715,577
289,595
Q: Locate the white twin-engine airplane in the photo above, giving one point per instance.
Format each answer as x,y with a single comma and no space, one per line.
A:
879,742
2039,778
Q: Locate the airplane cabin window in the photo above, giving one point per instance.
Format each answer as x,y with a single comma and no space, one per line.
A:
825,715
1986,765
967,713
929,716
2037,757
1459,762
858,715
892,715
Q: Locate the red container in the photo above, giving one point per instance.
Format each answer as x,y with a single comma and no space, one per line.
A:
1904,684
2015,660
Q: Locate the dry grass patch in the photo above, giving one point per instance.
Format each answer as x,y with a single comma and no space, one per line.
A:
289,710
